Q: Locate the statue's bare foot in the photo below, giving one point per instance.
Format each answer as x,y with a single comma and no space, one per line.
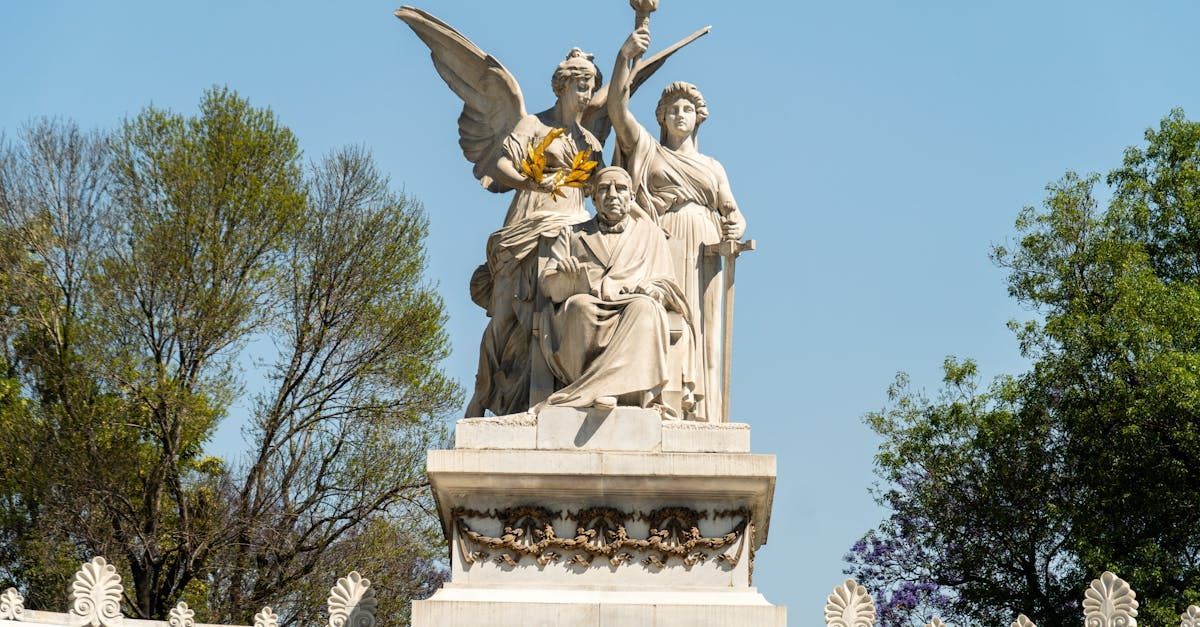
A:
605,403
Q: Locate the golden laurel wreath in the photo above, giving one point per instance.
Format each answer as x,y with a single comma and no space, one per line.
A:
533,166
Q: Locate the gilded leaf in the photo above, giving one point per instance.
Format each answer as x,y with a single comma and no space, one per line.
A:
533,166
577,177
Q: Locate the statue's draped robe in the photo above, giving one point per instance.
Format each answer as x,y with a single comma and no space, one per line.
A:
604,339
506,284
683,192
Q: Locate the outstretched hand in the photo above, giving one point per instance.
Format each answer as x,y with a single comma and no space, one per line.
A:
637,44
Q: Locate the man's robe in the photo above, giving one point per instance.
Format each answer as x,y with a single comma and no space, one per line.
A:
504,285
604,335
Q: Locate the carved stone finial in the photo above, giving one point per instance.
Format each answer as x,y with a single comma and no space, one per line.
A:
266,618
936,622
352,602
1023,621
850,605
12,605
181,616
1109,602
1190,618
96,595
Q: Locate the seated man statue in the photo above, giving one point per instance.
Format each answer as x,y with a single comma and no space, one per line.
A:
611,284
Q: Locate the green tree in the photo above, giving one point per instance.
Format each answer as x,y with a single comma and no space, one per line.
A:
978,519
1113,393
139,268
54,186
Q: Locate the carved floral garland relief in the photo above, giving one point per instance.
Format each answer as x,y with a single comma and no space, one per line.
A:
601,533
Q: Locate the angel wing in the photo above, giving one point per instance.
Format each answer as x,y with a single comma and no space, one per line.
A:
492,100
595,118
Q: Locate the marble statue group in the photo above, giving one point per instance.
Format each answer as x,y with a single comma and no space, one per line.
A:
597,478
630,306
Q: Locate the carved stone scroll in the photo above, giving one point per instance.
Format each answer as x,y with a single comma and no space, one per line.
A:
1023,621
96,595
850,605
1110,602
12,605
1190,618
266,618
601,533
181,616
352,602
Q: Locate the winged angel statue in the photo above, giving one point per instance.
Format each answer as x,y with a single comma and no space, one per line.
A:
545,159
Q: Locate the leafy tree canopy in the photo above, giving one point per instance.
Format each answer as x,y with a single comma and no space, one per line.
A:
1010,498
136,268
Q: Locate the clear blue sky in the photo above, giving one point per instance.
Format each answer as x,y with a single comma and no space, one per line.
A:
877,149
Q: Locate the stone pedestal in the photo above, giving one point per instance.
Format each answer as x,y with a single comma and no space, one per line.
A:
601,519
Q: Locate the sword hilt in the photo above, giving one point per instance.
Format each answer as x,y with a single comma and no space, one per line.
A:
729,249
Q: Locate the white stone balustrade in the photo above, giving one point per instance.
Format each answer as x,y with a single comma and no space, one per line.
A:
96,592
1108,602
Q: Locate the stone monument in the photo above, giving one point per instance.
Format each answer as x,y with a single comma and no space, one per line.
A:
596,479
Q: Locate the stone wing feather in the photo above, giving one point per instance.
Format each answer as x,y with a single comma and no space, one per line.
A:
492,100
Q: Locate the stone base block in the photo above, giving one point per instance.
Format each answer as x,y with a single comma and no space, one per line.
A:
655,526
599,609
506,432
498,480
620,429
705,437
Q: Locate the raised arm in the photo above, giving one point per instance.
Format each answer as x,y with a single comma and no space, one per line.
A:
619,88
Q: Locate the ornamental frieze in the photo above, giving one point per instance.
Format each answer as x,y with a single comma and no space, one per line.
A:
602,533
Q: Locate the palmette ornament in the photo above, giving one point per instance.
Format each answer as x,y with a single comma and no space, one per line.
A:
850,605
96,595
352,602
1110,602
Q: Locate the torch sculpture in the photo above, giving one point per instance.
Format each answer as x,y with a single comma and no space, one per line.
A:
643,8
